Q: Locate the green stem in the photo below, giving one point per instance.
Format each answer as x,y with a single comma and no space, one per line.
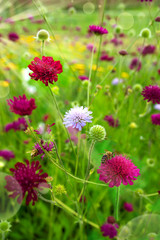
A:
68,209
78,146
117,203
152,194
3,235
42,49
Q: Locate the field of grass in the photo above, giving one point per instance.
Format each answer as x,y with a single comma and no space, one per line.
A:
73,203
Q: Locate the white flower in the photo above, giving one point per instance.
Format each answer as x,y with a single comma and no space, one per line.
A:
77,117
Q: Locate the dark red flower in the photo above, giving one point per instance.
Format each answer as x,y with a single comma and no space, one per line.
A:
13,36
155,119
111,121
118,170
109,230
128,207
18,125
30,178
6,154
135,64
123,52
45,70
98,30
157,19
22,105
151,93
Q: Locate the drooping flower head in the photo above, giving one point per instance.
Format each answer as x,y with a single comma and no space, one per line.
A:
7,154
155,119
18,125
45,70
22,106
117,170
77,117
98,30
37,150
151,93
30,178
111,121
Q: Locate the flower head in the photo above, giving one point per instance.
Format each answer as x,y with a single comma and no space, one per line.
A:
155,119
6,154
109,230
151,93
18,125
118,170
111,121
45,70
149,49
13,36
83,77
30,178
97,133
77,117
22,105
135,64
43,35
128,207
37,150
98,30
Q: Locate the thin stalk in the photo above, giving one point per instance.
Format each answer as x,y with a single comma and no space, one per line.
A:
117,203
78,147
42,49
152,194
68,209
3,235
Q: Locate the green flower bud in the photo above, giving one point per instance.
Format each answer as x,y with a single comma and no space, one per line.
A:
97,133
137,87
60,189
86,82
145,33
72,10
118,29
43,35
5,226
150,162
139,192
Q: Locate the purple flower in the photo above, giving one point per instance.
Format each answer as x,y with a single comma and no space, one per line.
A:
37,150
111,121
155,119
6,154
157,19
18,125
109,230
77,117
90,47
149,49
151,93
116,81
22,105
98,30
157,107
13,36
117,170
107,58
128,207
145,0
30,179
135,64
83,77
116,41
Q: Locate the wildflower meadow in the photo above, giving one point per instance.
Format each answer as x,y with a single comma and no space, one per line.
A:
79,120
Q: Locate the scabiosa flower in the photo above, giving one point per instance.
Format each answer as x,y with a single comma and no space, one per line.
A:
7,154
18,125
116,41
111,121
109,230
45,70
149,49
128,207
157,19
90,47
37,150
118,170
83,77
107,58
145,0
13,36
135,64
155,119
30,178
22,105
151,93
77,117
98,30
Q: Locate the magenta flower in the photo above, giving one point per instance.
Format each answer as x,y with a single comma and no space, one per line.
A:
30,178
135,64
45,70
111,121
157,19
37,150
118,170
145,0
107,58
13,36
22,105
7,154
109,230
90,47
18,125
149,49
128,207
155,119
98,30
83,77
151,93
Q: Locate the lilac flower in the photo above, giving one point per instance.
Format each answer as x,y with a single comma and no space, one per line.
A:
6,154
116,81
18,125
77,117
98,30
157,107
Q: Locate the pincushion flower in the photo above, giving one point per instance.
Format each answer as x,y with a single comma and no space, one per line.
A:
155,119
98,30
17,125
13,36
22,106
30,178
37,150
151,93
135,64
45,70
117,170
109,229
7,154
77,117
111,121
128,207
